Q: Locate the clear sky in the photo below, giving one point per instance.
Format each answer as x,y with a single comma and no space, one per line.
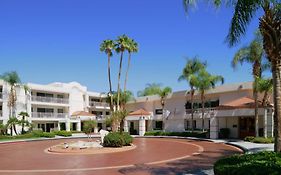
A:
58,40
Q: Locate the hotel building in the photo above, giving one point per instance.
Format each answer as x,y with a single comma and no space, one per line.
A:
65,106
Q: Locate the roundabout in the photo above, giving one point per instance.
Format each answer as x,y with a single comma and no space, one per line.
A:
146,156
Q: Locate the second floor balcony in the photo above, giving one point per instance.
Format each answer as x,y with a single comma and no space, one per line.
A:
50,100
98,104
49,115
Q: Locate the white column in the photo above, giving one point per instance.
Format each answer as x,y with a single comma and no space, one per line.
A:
67,125
214,128
79,126
126,129
142,126
265,123
270,123
58,126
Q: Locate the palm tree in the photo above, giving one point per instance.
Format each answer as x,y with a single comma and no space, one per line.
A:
107,46
23,121
132,48
150,89
269,27
3,129
12,122
13,80
252,54
26,92
264,85
163,93
203,82
191,69
120,47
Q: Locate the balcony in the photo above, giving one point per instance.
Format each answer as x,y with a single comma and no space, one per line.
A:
50,99
49,115
99,104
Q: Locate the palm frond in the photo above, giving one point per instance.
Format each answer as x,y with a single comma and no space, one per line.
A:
244,12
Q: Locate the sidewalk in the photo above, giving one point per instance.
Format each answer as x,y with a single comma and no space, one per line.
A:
249,147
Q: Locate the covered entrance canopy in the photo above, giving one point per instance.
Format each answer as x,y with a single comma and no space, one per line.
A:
137,121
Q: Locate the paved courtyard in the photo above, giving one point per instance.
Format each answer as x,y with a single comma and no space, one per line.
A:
151,156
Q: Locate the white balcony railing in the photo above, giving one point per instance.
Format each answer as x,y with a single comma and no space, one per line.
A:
99,104
48,115
50,99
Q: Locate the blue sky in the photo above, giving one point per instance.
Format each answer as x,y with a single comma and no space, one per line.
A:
50,40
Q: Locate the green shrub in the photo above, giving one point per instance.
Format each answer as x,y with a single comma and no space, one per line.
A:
113,139
63,133
224,133
39,133
117,139
262,163
128,139
198,134
249,138
259,139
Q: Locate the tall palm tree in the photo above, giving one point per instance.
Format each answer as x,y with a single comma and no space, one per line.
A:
270,24
252,54
191,69
108,46
203,82
13,80
132,48
120,47
163,93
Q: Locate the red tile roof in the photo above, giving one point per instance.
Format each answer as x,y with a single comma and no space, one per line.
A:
140,112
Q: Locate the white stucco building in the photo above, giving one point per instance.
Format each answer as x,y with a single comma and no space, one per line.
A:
65,106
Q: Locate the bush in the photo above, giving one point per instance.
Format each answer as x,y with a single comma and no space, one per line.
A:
198,134
249,138
39,133
63,133
259,139
224,133
117,139
262,163
128,139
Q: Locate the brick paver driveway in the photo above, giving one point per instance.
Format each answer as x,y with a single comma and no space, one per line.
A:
151,156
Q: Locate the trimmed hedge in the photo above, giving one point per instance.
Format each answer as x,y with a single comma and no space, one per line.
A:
261,163
63,133
117,139
259,139
198,134
33,134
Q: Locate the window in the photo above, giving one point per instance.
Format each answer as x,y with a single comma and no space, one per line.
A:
158,125
60,96
60,110
107,113
0,108
49,110
194,124
39,94
158,111
95,100
186,124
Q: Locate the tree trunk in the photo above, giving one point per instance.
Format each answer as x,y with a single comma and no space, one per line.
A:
127,72
276,75
119,77
256,112
203,110
110,84
14,126
192,106
22,125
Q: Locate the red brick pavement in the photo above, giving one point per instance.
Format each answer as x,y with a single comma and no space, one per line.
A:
152,156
